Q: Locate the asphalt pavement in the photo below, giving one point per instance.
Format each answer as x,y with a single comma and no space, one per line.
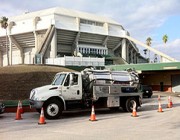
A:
115,125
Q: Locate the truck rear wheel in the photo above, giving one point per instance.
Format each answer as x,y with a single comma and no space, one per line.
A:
129,104
53,109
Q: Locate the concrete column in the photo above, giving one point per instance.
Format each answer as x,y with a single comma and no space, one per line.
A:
127,51
53,53
137,58
135,55
10,51
78,23
131,53
161,58
106,28
36,47
36,41
124,49
77,47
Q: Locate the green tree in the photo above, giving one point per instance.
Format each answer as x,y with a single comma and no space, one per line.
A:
4,24
165,38
148,42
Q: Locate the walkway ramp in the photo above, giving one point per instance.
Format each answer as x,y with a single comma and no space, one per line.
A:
164,57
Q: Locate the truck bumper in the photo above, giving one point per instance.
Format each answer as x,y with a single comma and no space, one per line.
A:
36,104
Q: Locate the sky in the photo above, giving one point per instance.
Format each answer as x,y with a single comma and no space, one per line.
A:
141,18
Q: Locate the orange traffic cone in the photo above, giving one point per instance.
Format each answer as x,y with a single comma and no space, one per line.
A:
160,108
170,104
42,119
93,116
18,113
20,107
134,113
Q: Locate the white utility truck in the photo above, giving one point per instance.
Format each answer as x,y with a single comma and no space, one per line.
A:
79,90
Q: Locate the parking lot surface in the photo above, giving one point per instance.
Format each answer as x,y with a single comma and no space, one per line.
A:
111,125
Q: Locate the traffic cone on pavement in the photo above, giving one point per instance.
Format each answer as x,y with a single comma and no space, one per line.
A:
20,107
134,113
42,119
93,116
170,104
160,107
18,113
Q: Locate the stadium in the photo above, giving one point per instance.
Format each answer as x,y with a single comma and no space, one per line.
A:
65,37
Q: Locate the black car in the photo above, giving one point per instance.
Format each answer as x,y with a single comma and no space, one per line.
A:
147,91
2,108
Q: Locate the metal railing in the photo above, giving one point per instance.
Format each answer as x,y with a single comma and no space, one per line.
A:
75,61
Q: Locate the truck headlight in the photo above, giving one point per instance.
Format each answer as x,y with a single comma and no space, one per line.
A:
32,94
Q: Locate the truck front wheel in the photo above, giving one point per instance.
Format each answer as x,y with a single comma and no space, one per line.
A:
53,109
129,104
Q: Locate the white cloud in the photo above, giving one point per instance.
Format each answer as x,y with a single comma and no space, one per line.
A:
170,48
150,16
169,45
139,17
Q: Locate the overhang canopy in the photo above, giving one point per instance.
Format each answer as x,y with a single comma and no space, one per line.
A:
148,66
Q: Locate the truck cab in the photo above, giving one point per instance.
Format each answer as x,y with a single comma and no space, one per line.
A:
69,84
64,91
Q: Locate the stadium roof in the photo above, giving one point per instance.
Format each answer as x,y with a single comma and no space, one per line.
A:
66,12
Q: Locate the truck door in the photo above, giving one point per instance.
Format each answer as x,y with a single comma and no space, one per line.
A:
72,89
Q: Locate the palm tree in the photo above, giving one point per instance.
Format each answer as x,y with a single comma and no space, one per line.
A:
165,38
4,24
148,42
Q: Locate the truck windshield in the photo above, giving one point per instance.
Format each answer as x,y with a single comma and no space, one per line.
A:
58,79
